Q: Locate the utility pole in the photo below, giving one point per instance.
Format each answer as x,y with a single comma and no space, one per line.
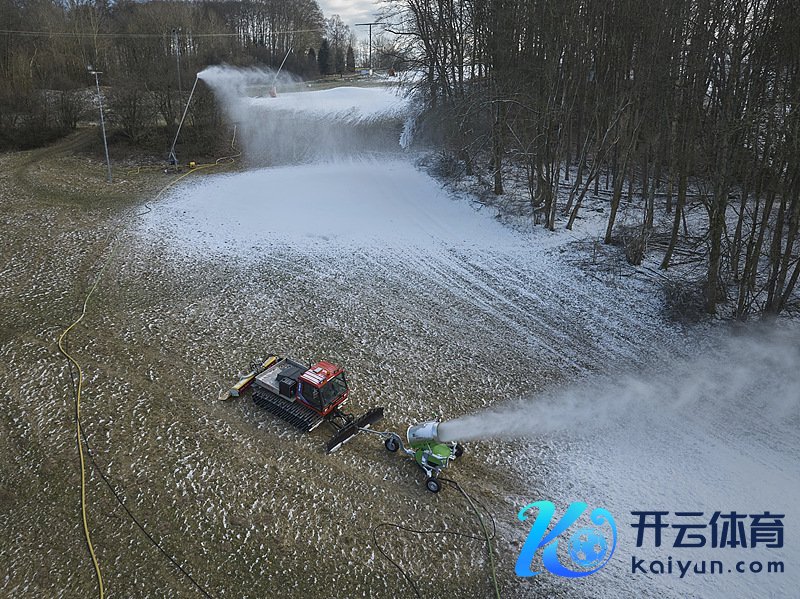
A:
102,120
370,39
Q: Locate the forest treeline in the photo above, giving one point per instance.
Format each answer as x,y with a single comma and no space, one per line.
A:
149,53
666,104
666,101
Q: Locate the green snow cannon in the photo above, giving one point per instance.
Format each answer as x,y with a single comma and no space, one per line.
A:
430,454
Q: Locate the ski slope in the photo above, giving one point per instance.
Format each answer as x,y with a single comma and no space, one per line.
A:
439,311
324,207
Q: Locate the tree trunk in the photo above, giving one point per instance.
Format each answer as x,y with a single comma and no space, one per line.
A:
615,199
716,228
676,223
498,147
619,181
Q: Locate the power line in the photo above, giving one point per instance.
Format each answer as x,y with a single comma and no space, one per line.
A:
140,35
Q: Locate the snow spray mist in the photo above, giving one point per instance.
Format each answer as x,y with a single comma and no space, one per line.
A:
302,126
755,373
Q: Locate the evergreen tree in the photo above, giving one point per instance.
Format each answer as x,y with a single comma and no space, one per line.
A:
311,61
324,57
351,60
339,61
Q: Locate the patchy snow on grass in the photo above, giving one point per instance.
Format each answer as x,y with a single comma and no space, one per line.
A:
439,310
435,308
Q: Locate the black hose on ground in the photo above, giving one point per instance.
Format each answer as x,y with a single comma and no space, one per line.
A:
135,520
488,538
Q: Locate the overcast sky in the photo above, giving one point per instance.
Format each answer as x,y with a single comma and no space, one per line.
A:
358,11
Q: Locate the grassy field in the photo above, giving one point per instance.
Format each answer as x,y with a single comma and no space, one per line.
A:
249,507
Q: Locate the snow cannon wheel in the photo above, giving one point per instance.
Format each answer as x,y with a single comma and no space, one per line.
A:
459,451
392,444
433,485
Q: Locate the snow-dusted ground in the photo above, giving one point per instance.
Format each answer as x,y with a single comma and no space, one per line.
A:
436,310
385,239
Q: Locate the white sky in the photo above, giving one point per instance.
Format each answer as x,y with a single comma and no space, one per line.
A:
360,11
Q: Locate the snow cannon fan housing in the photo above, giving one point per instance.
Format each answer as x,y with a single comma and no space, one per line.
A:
423,433
429,452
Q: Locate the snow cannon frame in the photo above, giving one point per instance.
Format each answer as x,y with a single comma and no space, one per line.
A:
430,453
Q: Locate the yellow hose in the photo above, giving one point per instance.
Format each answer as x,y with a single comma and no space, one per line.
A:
79,390
69,357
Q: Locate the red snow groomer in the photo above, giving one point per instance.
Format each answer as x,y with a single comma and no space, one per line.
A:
306,397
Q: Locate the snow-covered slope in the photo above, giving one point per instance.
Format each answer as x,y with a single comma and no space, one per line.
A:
329,206
438,310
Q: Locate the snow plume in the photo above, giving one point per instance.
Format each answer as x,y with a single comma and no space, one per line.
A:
236,82
301,126
750,379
